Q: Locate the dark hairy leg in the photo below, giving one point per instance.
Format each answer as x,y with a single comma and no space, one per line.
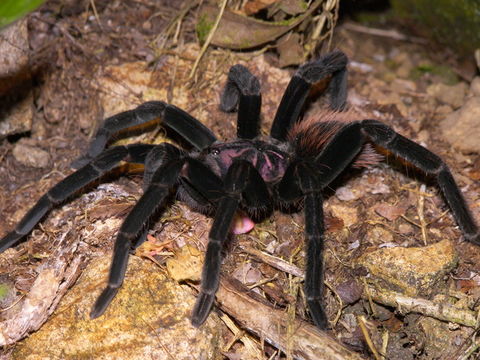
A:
427,161
308,179
346,144
71,184
302,180
161,183
333,64
175,118
240,176
242,91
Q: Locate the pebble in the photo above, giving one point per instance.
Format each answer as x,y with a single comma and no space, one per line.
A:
451,95
32,156
475,86
458,127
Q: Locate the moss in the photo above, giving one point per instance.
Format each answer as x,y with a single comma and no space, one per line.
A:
4,289
447,75
454,23
203,28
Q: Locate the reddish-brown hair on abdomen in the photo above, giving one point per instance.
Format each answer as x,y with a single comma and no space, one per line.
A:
311,135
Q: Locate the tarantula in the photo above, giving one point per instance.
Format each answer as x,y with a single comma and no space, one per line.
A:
256,174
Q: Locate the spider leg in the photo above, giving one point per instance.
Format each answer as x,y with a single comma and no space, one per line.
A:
333,64
303,180
346,144
243,90
202,183
164,167
314,234
427,161
175,118
240,176
161,183
106,161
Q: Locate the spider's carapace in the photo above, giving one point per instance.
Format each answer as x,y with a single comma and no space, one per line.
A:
269,160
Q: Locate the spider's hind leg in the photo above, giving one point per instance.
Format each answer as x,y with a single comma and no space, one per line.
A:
333,64
242,90
427,161
104,162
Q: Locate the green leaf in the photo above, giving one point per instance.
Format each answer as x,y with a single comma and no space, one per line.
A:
11,10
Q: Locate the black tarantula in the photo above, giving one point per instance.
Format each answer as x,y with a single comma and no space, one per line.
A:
292,166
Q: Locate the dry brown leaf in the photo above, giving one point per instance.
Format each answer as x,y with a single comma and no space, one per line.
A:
241,32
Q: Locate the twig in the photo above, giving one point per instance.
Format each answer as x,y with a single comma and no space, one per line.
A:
252,348
368,339
275,262
340,302
392,34
255,315
421,216
385,338
406,304
95,13
209,38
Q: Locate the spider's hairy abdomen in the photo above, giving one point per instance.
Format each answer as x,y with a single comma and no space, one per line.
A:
310,136
270,161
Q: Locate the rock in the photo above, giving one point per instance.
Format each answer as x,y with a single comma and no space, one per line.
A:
346,193
475,86
149,317
14,52
459,126
30,155
379,235
405,63
438,333
451,95
411,271
16,112
15,80
348,214
402,86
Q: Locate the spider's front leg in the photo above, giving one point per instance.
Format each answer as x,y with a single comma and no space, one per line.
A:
333,64
104,162
160,183
242,90
175,118
242,182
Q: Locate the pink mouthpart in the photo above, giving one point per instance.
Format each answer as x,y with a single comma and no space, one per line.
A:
242,224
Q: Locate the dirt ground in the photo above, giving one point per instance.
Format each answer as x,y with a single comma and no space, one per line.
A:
91,59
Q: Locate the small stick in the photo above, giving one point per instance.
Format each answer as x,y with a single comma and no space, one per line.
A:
438,310
275,262
421,217
393,34
257,316
366,335
209,38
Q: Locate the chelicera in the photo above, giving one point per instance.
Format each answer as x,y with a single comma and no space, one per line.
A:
289,168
